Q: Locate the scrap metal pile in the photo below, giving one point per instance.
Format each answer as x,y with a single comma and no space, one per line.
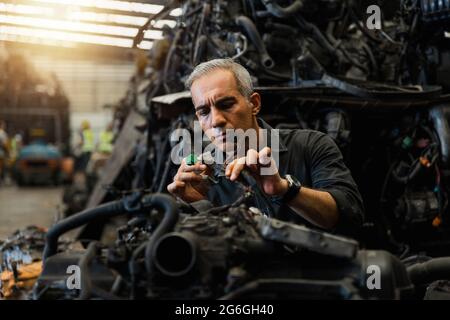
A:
380,94
171,252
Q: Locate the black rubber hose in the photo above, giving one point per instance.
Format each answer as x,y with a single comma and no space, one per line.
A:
169,206
132,267
316,34
282,28
105,210
427,272
280,12
254,36
88,289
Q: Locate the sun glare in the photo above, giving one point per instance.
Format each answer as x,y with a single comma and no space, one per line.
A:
66,22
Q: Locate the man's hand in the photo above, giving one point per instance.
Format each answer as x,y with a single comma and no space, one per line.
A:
188,184
318,207
272,185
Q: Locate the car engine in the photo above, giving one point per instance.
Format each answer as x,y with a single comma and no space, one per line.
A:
220,253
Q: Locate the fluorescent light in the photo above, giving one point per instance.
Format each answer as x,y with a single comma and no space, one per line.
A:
114,5
146,45
160,23
153,34
67,25
77,15
176,12
54,35
116,18
109,4
107,18
77,26
447,34
35,40
26,9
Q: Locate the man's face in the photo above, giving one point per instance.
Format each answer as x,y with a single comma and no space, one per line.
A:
220,106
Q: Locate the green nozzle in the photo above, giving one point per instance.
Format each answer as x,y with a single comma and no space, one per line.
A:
191,159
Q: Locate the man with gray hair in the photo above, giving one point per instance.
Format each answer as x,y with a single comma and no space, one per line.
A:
311,184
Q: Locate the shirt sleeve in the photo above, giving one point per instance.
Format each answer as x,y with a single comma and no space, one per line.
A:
329,173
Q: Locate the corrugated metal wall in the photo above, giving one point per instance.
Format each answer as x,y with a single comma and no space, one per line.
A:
88,84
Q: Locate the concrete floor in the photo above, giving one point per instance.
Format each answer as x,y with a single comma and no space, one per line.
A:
20,207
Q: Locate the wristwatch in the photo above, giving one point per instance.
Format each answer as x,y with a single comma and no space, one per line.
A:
293,189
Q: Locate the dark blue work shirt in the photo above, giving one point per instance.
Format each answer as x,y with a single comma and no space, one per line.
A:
316,161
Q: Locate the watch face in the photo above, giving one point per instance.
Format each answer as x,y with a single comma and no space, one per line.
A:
292,180
294,187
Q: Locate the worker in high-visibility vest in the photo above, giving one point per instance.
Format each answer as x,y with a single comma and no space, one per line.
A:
87,144
106,140
16,145
4,149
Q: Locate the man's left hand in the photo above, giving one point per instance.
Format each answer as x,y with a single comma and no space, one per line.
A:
254,162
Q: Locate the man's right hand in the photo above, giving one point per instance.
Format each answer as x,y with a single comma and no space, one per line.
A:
188,184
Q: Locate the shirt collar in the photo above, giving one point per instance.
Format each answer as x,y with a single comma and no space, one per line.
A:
271,131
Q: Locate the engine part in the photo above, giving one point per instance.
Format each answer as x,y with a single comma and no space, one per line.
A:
427,272
418,207
300,236
20,261
435,10
441,116
230,252
170,265
128,205
281,12
253,34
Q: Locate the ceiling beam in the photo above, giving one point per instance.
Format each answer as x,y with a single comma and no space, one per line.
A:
73,32
112,24
83,51
88,9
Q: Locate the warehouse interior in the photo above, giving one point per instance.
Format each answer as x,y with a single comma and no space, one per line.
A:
94,95
84,50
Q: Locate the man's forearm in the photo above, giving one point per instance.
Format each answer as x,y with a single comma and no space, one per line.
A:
318,207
